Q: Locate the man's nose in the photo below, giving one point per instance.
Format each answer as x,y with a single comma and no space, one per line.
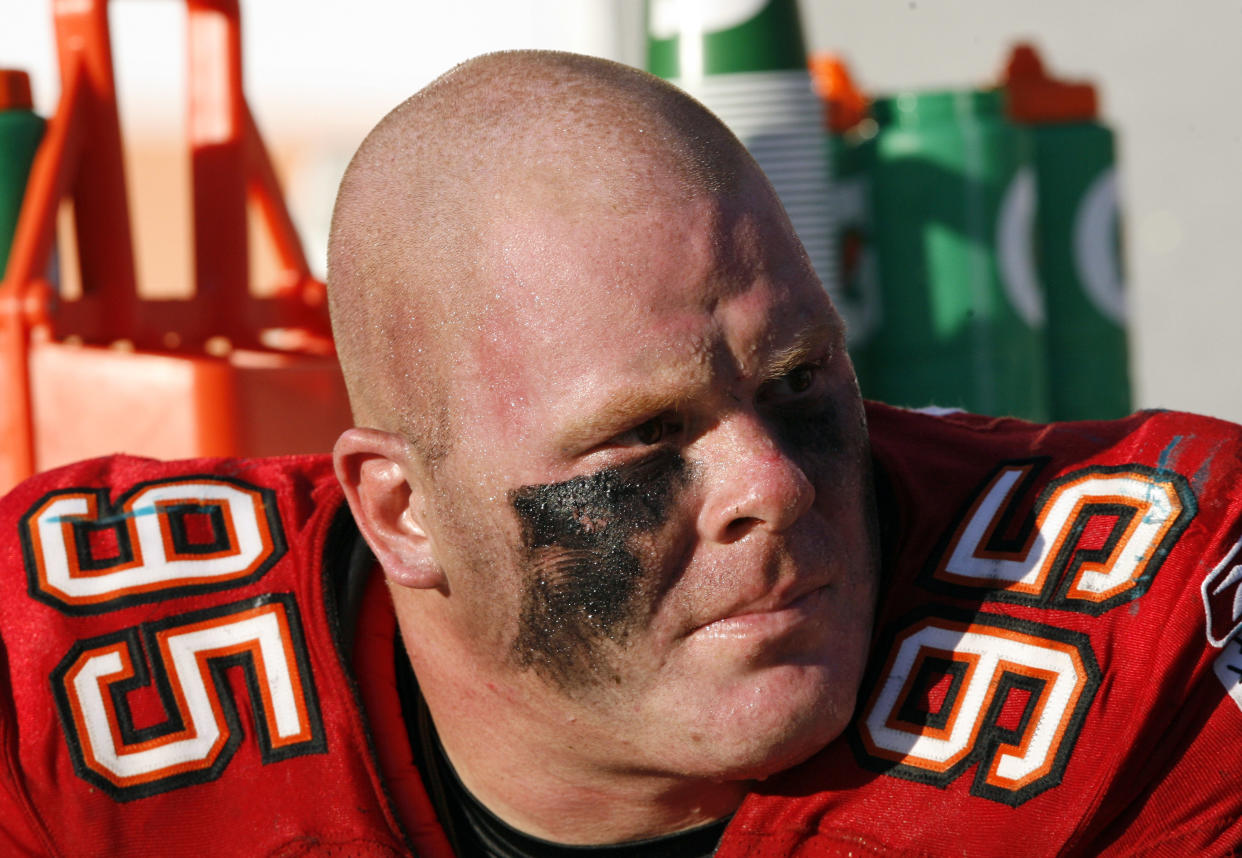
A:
750,481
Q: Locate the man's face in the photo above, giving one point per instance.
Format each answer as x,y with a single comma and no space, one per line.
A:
655,518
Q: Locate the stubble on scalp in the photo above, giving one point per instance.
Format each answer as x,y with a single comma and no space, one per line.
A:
413,284
408,269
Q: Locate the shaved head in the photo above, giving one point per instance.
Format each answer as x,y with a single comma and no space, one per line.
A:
410,268
610,451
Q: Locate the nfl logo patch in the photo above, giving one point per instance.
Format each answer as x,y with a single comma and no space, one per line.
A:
1228,669
1222,597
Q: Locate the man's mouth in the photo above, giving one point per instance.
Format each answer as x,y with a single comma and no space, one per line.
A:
766,618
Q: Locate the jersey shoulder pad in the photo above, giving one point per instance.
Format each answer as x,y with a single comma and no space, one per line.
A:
168,643
107,533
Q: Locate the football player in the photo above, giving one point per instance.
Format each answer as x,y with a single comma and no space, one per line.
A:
616,561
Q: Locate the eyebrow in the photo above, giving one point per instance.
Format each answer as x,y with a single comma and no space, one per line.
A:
616,414
811,343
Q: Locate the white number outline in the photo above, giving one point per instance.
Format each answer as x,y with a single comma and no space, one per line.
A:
150,566
1153,508
999,653
202,730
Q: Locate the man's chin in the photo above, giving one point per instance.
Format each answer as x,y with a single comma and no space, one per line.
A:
774,759
767,739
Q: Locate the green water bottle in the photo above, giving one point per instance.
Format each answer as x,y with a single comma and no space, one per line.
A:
953,206
691,39
1078,239
20,132
746,61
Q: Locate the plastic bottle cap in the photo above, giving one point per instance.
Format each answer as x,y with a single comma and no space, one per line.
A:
846,105
15,90
1036,97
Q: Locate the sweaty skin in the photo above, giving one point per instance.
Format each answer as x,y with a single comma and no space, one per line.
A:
610,455
585,578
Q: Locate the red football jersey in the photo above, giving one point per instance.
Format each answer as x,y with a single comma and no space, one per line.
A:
1056,668
172,683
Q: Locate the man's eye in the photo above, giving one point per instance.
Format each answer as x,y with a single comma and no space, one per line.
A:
800,378
652,431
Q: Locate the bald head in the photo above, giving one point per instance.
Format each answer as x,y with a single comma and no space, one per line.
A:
408,263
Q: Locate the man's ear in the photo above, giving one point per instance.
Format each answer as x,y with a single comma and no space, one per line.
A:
372,468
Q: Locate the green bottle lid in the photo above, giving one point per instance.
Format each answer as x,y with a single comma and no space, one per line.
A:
692,37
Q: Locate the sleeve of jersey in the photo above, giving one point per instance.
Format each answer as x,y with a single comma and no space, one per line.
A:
20,831
1194,806
1180,781
170,681
1189,760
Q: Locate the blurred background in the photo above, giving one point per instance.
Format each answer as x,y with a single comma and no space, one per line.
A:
319,74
